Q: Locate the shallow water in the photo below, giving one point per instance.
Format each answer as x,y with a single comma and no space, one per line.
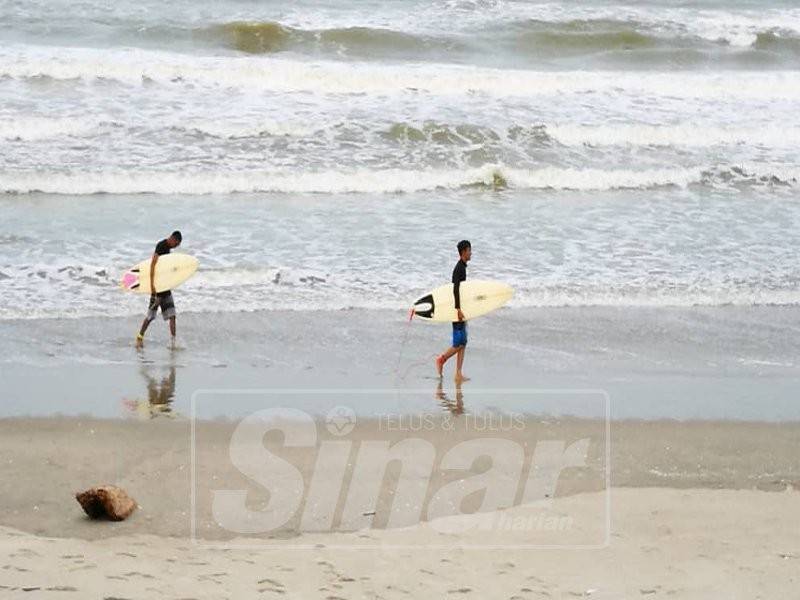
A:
63,255
734,363
322,156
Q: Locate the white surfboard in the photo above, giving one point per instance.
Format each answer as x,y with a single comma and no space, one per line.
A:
171,271
477,298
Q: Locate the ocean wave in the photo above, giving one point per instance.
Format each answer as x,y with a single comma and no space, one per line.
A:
254,38
266,37
684,135
778,40
604,34
444,133
383,181
487,33
583,37
572,37
425,133
531,39
137,67
689,135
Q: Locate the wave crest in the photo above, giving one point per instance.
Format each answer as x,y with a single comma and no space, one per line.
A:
531,38
267,37
254,38
383,181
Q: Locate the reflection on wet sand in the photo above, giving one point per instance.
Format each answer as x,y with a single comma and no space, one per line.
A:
160,395
456,406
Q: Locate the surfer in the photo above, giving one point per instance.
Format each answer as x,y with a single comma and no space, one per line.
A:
459,327
161,300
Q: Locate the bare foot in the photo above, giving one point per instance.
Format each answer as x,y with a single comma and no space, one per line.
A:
139,341
439,365
460,378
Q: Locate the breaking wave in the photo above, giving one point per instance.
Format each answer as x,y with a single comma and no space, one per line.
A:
384,181
533,39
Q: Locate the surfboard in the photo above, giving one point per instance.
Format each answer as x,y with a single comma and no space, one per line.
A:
171,271
477,298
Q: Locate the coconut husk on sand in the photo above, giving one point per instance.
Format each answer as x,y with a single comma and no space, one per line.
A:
107,501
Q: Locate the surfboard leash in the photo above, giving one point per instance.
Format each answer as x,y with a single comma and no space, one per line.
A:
397,377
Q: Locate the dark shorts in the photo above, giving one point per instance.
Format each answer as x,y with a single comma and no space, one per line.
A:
459,335
165,303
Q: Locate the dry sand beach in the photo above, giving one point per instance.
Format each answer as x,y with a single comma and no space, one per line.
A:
698,510
666,543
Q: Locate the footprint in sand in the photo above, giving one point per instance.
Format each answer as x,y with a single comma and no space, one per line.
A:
273,586
15,568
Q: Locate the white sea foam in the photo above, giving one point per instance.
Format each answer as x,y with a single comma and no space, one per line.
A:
387,180
338,182
32,128
687,135
254,294
233,129
281,75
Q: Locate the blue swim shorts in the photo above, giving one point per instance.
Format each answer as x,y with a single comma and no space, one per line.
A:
459,334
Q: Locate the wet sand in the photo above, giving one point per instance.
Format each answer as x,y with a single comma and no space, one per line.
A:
680,363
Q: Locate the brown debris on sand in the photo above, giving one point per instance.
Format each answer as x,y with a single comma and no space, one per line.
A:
106,501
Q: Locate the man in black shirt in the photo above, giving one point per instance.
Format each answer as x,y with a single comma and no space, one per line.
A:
459,327
164,299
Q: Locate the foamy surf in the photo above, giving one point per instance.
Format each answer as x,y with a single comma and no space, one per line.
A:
39,128
694,135
139,67
390,181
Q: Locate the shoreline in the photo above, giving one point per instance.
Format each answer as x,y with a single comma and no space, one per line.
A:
728,363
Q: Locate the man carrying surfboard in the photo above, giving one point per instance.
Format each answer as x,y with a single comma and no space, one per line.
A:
459,327
162,300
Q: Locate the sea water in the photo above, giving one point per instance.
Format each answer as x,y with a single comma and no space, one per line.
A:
330,154
634,162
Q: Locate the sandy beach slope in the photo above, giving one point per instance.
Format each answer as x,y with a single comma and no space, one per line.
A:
697,510
665,543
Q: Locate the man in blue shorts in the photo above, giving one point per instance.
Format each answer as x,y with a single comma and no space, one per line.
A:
162,300
459,327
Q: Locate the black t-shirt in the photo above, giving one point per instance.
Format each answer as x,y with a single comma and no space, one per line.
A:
162,248
459,275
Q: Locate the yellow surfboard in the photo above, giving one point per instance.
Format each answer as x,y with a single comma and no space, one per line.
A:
171,271
477,298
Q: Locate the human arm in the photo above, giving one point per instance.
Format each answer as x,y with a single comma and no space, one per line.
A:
153,262
459,275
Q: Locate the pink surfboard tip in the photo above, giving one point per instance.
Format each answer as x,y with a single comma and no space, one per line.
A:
129,279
